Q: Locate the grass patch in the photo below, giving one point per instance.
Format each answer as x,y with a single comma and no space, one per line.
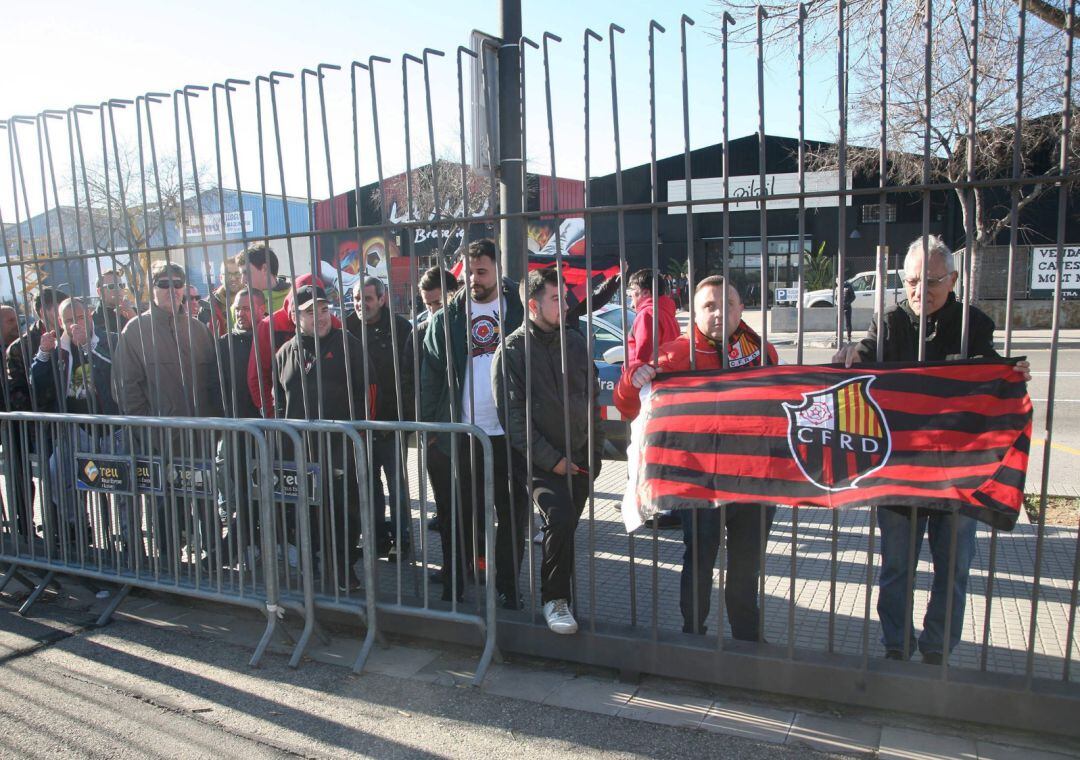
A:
1060,510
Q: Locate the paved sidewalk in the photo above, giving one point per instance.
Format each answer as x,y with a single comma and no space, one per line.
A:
604,582
694,707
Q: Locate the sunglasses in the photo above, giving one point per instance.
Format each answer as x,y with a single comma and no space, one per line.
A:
113,286
166,284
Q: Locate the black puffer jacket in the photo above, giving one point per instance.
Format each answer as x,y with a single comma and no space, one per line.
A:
380,345
901,326
546,388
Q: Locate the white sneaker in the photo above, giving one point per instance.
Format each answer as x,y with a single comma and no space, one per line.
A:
559,618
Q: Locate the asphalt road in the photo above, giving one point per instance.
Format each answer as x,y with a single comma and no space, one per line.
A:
131,690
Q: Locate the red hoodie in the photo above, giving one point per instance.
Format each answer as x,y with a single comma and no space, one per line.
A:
260,375
639,343
744,349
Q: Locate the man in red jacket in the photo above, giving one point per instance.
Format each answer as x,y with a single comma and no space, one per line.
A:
270,335
639,344
702,528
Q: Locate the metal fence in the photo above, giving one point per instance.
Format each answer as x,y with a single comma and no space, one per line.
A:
114,186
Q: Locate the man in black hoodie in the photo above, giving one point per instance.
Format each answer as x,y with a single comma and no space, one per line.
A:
321,376
386,336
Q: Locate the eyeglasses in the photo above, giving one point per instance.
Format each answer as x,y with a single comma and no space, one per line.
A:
913,282
113,286
166,284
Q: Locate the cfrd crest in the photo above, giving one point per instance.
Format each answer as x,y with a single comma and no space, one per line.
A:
838,435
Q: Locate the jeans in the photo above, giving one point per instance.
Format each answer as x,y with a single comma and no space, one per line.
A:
561,510
744,526
895,593
386,458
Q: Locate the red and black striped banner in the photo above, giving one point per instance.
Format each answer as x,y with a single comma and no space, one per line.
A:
940,435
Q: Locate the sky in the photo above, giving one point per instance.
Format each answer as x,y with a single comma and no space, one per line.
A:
63,53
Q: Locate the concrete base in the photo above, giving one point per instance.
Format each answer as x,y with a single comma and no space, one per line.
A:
1033,314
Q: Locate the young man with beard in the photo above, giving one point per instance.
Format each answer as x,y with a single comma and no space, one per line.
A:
560,477
317,352
456,377
702,528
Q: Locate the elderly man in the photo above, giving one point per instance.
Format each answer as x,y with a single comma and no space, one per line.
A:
373,325
113,311
72,373
932,267
702,528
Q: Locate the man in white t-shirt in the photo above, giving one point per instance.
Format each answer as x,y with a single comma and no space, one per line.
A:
455,384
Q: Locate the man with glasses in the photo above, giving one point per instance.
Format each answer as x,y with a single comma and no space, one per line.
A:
900,333
164,366
114,310
164,360
371,323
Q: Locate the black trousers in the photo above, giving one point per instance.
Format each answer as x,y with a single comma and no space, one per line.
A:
743,523
847,321
511,512
561,508
441,479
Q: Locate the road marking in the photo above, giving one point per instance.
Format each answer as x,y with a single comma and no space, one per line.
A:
1060,400
1059,373
1058,446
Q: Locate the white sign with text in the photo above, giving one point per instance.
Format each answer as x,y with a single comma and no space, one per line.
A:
745,190
1044,267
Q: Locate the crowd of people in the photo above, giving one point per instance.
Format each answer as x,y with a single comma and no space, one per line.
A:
506,357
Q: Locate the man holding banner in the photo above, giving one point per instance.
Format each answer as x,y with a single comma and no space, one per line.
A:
900,325
746,524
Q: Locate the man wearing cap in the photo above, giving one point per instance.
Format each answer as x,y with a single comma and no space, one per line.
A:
320,375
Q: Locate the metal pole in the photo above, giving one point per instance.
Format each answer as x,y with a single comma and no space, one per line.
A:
512,226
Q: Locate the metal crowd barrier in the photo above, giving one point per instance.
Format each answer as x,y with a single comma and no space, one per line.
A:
134,501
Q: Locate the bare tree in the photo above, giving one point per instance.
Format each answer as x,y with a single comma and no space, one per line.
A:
462,194
138,210
996,51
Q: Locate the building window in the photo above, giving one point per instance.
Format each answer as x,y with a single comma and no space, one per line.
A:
871,212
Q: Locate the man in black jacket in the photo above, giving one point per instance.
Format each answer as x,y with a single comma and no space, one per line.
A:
550,430
318,379
23,398
113,311
233,354
944,317
386,336
435,287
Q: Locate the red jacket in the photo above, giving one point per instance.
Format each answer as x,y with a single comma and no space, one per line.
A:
743,350
260,374
639,344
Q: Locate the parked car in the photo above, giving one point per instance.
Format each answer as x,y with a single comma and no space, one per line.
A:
607,333
865,286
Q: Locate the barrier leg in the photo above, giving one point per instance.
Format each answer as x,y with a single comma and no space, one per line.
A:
10,573
107,613
36,593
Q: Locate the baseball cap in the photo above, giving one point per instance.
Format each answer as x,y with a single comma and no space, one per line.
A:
308,295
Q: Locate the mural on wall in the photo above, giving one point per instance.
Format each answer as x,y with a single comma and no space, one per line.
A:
353,259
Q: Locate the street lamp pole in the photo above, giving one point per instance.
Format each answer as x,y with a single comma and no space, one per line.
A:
512,228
